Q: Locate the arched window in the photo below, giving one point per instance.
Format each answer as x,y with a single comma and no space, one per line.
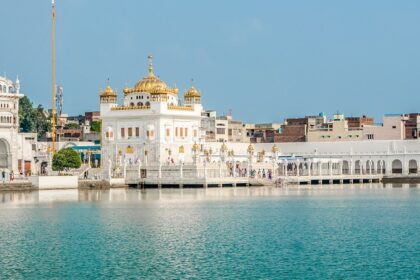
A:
132,104
4,89
140,104
147,103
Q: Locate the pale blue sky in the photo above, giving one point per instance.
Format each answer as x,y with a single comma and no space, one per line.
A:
265,60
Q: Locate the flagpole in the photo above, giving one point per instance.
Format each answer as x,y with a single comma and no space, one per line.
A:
53,79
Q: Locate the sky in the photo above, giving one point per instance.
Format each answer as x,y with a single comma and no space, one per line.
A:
263,61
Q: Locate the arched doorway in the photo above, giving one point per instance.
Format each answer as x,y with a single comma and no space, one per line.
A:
396,166
412,167
345,167
357,167
380,167
5,157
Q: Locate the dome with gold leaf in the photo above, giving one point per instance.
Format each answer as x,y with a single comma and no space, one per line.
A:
108,92
192,92
151,84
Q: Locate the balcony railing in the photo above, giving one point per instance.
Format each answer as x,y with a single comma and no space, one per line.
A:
122,108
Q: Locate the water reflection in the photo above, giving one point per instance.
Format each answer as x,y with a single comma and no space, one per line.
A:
168,195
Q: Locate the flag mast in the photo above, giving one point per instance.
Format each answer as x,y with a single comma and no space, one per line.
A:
53,79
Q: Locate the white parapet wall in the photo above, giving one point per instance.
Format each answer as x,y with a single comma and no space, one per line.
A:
54,182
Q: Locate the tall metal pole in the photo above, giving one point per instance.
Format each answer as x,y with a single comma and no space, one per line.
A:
53,79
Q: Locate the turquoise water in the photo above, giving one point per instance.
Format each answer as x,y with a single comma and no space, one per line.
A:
354,232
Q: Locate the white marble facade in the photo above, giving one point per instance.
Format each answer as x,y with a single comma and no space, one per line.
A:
16,149
151,126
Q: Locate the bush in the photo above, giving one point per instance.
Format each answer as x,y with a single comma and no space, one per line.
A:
66,159
96,126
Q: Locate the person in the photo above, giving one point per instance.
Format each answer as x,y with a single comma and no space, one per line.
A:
12,176
86,174
3,175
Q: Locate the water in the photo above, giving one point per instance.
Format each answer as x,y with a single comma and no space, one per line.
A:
350,232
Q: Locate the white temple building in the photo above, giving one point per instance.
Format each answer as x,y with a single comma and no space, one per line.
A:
151,126
16,149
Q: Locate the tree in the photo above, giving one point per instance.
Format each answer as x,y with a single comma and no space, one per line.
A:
96,126
26,115
32,119
72,126
66,159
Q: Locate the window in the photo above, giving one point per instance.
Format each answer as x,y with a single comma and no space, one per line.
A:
370,136
168,132
195,132
130,132
137,132
186,132
181,132
122,132
220,131
394,127
176,131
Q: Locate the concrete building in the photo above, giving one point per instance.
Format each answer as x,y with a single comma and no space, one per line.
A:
393,128
263,132
335,130
412,126
222,129
359,122
296,129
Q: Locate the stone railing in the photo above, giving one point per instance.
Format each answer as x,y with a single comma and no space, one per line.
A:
122,108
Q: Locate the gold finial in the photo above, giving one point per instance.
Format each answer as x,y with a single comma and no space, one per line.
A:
223,148
274,149
150,59
250,149
195,147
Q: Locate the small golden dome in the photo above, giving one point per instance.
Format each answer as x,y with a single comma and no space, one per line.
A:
192,92
223,148
108,92
151,84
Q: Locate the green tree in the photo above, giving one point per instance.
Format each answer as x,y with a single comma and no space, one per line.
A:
72,126
32,119
42,122
66,159
26,115
96,126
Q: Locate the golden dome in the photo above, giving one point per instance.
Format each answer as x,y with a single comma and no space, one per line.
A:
108,92
192,92
151,84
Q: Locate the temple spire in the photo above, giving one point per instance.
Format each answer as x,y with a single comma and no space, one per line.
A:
150,59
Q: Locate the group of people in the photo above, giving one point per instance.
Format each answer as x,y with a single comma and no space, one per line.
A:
262,173
7,177
239,171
